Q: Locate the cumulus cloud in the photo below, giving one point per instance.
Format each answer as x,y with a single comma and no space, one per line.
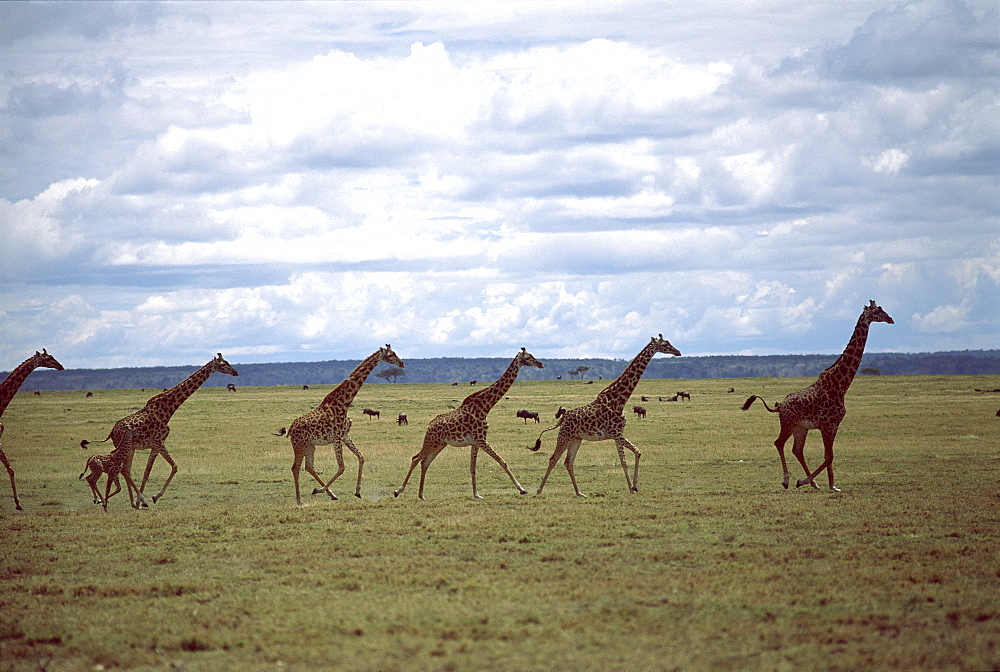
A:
573,180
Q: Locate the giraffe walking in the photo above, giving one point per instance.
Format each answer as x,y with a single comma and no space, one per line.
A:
467,426
603,419
328,423
147,428
821,405
8,388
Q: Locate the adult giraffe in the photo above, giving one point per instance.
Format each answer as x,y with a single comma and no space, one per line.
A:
821,405
8,388
328,423
467,426
147,428
603,419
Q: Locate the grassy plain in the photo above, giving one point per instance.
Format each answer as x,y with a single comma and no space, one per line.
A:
712,565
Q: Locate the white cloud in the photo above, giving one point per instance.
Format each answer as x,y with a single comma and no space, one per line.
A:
943,319
298,186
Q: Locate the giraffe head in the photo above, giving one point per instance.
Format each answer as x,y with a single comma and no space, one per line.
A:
222,366
660,344
45,359
525,358
387,355
873,313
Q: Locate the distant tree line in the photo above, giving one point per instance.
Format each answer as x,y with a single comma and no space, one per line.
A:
485,370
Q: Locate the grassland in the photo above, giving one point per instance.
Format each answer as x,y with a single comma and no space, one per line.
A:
712,565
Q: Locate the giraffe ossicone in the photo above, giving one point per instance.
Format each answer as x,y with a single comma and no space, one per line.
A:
603,419
467,426
821,405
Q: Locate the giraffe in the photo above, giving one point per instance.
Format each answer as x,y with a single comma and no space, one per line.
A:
467,426
147,428
821,405
110,464
328,423
603,418
8,388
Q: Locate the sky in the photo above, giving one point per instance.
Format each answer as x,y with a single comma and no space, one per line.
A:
308,181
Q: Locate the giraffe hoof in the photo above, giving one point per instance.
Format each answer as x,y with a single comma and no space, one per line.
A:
785,485
395,493
18,507
358,495
834,489
523,491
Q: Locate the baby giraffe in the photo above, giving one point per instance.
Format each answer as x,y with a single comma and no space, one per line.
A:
110,464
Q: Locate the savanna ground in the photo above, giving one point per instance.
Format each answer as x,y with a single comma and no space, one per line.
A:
712,565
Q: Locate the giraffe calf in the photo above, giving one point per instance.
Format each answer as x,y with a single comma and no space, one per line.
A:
110,464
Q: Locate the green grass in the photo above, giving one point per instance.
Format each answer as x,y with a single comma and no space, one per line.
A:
712,565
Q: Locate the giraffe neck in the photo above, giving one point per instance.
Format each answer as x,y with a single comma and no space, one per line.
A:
487,398
166,403
10,385
616,395
344,394
839,375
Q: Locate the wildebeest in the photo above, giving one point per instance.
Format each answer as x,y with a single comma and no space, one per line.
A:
526,415
372,413
280,432
231,387
684,395
639,410
401,420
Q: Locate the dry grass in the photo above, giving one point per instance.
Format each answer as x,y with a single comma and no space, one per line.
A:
712,565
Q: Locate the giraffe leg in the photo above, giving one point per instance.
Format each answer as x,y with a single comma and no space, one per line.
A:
574,446
149,465
779,443
10,472
561,445
798,450
361,463
414,461
118,486
135,497
492,453
472,467
92,479
338,451
432,446
296,466
621,444
310,467
829,435
133,488
425,463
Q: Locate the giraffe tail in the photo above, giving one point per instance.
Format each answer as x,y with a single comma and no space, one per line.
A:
85,442
749,402
538,441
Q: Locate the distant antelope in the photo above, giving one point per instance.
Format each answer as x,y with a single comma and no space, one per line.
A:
401,420
372,413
